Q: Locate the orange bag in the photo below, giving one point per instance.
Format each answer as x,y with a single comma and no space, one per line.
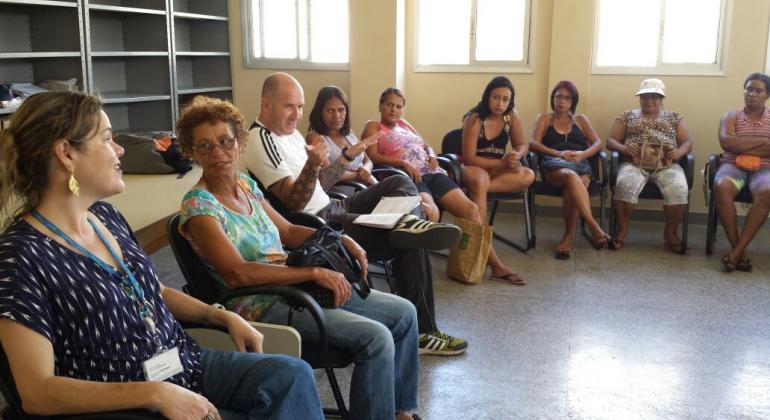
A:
748,162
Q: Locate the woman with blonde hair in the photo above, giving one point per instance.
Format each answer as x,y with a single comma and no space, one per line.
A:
84,321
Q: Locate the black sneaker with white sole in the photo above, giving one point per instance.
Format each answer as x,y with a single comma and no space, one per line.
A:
413,232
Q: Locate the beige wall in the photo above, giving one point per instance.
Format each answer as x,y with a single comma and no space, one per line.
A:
247,83
561,49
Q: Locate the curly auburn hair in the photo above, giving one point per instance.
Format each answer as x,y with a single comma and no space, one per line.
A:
204,109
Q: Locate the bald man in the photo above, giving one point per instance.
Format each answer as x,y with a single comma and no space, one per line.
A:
296,172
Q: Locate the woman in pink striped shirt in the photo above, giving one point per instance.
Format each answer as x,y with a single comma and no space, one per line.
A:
745,136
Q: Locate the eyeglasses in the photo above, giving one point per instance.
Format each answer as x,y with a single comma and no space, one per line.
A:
207,147
561,97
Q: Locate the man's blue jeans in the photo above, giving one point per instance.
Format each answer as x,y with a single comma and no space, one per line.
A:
259,386
381,332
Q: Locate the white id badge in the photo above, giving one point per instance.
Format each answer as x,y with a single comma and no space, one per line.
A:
163,365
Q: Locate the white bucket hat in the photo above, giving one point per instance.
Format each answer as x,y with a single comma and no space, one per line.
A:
652,86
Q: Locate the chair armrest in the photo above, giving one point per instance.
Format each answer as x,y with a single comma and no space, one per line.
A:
382,172
614,162
710,170
357,186
531,161
688,164
336,195
135,414
453,168
296,298
277,338
450,156
600,168
305,219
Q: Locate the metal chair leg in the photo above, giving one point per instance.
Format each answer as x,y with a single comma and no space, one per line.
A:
389,276
527,227
341,410
685,224
711,225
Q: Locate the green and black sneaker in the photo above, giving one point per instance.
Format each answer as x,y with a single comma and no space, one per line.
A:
440,344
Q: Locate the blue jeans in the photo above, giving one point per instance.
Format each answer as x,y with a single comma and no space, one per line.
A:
259,386
381,332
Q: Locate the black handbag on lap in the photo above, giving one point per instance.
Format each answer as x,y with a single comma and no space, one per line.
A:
324,248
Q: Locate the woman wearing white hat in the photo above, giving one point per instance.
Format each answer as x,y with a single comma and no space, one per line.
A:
649,139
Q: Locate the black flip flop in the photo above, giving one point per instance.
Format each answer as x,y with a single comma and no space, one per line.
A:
562,255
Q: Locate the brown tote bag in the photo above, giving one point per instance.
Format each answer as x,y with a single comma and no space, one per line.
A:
468,256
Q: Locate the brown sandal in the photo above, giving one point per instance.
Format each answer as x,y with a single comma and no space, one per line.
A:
728,264
510,278
615,244
744,265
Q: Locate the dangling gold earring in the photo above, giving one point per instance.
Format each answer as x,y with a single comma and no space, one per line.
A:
73,184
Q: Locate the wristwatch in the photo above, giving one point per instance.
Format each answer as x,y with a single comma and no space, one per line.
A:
212,308
346,155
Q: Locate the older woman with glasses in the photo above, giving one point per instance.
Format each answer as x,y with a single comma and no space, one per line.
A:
241,237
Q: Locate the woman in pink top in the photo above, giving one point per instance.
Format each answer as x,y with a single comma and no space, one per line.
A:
401,146
744,132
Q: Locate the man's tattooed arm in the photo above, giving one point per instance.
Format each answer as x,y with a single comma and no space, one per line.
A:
298,194
332,173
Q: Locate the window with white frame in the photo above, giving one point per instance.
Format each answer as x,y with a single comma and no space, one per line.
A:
472,35
296,34
658,36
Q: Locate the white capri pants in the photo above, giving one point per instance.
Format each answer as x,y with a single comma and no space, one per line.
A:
671,181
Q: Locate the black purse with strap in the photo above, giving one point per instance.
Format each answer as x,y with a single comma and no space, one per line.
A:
324,248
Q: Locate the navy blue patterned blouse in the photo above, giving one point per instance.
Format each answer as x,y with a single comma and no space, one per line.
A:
94,327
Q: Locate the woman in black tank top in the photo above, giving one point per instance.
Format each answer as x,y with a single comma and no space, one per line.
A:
487,129
564,141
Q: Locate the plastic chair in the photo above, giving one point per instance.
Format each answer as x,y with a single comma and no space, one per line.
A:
651,191
744,196
597,187
451,150
201,285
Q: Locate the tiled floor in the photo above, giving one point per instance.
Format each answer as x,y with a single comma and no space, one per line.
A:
634,334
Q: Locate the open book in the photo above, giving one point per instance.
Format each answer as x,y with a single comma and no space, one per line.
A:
389,211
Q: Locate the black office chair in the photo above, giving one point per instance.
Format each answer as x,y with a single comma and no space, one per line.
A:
451,150
201,285
597,187
651,191
744,196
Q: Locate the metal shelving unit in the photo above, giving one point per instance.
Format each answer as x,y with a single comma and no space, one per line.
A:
146,58
201,50
41,40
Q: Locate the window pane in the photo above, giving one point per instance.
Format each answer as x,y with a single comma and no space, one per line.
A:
280,28
444,31
329,31
256,50
691,37
628,33
303,34
500,30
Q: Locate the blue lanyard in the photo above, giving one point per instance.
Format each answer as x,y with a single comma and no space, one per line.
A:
145,307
